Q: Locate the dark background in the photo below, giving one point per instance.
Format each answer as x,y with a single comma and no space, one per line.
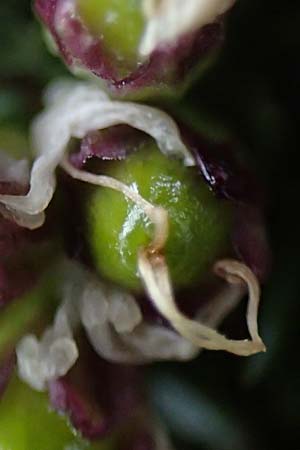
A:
218,402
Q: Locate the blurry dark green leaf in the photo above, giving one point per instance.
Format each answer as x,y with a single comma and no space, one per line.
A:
25,54
196,417
280,304
12,104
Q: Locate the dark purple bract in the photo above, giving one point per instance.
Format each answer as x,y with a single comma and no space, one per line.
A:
96,395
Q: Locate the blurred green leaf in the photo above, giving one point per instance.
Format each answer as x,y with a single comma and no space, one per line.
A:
196,417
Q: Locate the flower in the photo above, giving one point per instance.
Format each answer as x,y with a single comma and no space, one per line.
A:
111,316
150,49
115,319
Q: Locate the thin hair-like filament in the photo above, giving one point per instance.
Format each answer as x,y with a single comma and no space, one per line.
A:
155,274
157,214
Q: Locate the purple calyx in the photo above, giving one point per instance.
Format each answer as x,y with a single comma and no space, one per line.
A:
97,396
168,64
112,144
84,417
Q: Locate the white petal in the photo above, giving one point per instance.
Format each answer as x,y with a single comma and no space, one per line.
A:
124,313
73,110
40,361
114,324
167,20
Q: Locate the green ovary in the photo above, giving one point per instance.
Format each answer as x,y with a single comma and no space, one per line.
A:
118,23
199,223
28,423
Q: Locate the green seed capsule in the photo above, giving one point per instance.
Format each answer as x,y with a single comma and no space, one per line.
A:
199,224
28,423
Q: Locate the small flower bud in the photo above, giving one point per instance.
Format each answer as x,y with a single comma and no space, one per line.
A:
139,48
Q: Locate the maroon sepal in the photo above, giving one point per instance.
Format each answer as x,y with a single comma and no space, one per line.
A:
231,180
96,396
114,143
167,65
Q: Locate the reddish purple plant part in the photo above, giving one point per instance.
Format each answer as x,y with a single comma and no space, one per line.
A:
90,422
6,371
14,279
169,64
101,399
231,180
113,144
97,396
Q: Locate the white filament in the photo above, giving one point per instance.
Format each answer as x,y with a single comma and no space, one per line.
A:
157,215
155,274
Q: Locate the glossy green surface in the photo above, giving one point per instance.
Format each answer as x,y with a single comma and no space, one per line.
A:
27,423
119,23
199,223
